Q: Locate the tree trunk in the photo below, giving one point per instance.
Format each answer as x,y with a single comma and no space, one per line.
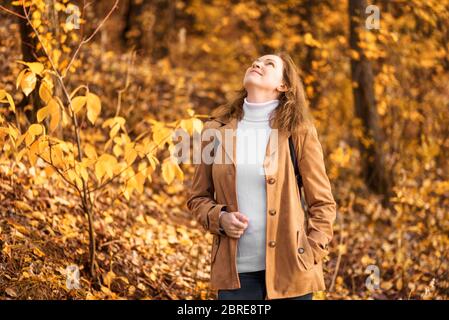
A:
312,54
150,27
374,171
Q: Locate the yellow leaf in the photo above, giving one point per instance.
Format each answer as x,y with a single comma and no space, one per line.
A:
105,165
399,284
35,129
90,151
78,103
114,131
197,125
366,260
23,206
93,107
342,248
310,41
3,95
71,175
11,292
190,112
354,55
84,174
65,117
20,77
170,170
153,161
90,296
386,285
99,170
167,172
45,92
29,138
18,227
161,135
42,113
140,180
106,290
57,155
108,277
3,132
28,83
20,154
141,286
117,151
38,252
178,172
191,125
13,132
130,156
53,109
35,67
206,47
32,153
187,125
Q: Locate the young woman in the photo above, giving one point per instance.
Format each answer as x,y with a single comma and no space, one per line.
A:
264,246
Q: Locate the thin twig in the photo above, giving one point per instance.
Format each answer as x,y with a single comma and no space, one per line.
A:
86,40
12,12
111,242
341,243
121,91
123,170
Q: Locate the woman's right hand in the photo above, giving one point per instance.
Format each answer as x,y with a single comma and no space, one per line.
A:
234,223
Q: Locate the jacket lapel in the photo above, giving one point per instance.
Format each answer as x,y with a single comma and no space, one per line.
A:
228,142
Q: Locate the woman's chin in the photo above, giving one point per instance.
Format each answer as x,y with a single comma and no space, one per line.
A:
251,83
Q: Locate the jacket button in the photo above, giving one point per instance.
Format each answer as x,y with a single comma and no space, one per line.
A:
272,212
271,180
272,244
301,250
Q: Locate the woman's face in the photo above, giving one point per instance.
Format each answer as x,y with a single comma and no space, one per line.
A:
265,73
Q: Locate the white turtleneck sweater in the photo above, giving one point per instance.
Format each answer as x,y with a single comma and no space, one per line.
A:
253,133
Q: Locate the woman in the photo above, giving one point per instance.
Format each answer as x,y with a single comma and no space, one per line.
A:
264,247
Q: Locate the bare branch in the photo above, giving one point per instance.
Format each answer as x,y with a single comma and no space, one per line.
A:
121,91
12,12
86,40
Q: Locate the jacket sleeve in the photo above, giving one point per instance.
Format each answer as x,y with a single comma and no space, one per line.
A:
318,194
201,201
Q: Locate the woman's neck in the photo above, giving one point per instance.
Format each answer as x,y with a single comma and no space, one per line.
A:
258,95
258,111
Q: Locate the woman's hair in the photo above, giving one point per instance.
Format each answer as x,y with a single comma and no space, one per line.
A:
293,109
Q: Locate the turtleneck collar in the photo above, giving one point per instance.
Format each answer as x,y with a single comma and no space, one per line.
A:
258,111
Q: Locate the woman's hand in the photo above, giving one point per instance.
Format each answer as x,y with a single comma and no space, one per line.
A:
234,223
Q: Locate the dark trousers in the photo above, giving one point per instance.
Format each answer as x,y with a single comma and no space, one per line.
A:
252,287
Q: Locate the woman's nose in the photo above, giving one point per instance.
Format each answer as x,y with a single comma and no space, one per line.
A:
256,65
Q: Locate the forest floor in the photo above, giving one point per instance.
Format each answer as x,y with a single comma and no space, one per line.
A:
150,248
146,248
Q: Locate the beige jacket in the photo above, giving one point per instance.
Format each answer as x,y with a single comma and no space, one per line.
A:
295,245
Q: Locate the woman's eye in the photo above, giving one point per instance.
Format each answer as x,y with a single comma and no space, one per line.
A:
271,63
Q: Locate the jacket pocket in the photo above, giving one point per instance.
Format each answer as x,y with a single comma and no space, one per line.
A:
215,245
304,252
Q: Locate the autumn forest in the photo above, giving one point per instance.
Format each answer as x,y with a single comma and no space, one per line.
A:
93,199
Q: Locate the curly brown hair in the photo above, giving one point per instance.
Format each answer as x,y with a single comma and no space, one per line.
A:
293,110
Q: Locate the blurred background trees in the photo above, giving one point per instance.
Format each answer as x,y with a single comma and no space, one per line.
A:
380,97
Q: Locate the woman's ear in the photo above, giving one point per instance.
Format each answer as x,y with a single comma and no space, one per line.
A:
282,87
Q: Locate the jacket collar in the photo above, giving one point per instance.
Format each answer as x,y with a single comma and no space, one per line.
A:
230,151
